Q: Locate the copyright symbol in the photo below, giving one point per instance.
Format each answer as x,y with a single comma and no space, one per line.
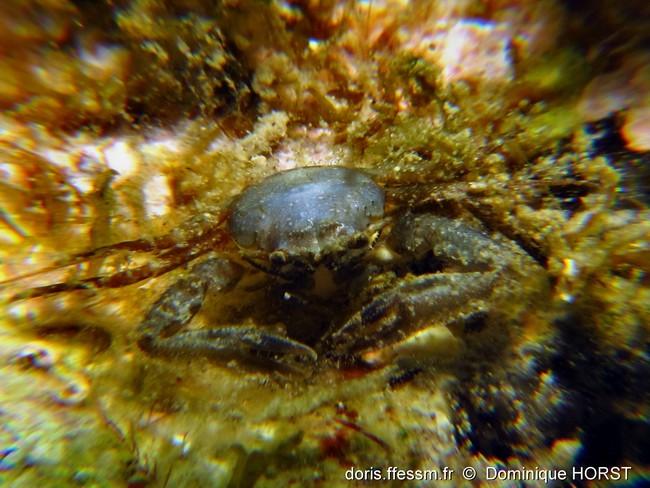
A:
469,473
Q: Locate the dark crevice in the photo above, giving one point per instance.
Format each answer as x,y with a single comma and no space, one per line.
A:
601,382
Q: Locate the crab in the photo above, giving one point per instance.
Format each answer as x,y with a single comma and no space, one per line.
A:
309,226
353,276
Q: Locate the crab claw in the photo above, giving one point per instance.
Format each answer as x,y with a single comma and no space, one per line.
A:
224,342
418,300
236,338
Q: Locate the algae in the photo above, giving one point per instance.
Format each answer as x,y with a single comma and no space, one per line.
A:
129,127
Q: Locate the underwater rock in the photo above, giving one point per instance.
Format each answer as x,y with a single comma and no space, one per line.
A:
128,131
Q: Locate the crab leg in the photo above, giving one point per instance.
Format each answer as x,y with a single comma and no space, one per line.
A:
105,270
159,331
452,242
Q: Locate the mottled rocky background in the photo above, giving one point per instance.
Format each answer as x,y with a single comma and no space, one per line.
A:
121,120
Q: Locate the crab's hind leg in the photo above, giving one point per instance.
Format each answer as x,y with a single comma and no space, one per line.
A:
160,332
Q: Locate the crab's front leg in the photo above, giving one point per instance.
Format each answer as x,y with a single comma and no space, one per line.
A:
471,266
160,332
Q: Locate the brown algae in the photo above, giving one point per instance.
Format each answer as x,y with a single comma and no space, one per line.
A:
127,132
